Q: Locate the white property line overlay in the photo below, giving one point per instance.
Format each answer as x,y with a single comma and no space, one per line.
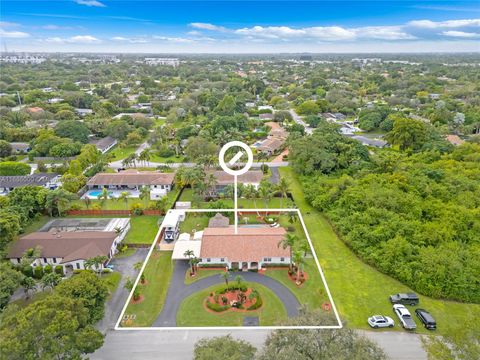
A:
339,326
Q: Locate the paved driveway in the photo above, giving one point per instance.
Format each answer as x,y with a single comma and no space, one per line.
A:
115,304
179,291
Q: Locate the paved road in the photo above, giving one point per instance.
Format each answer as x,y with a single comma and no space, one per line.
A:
115,304
300,121
179,291
178,344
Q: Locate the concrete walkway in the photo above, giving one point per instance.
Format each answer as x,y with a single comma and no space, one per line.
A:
179,291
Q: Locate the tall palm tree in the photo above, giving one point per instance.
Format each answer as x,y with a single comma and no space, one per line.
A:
265,192
190,254
95,262
144,156
305,247
299,261
225,276
163,204
124,195
57,200
193,263
145,194
283,188
289,242
239,280
104,195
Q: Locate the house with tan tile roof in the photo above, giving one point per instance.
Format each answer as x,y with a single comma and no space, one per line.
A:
249,248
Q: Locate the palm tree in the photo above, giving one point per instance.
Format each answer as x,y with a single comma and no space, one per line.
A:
58,199
145,194
193,264
162,204
50,280
144,156
190,254
225,276
305,247
265,191
29,285
239,280
283,189
95,262
299,261
103,196
124,195
87,202
288,242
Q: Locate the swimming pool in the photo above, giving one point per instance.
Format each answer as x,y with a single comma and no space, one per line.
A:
97,193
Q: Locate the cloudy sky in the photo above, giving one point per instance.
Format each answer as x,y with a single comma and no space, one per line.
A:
240,26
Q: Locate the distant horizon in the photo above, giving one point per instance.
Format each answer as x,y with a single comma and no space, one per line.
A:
226,27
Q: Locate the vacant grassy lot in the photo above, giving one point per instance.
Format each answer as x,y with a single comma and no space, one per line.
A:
158,273
142,230
193,313
194,221
358,289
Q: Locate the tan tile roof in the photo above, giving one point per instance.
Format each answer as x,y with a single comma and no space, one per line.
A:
131,178
250,244
67,245
250,177
271,144
455,140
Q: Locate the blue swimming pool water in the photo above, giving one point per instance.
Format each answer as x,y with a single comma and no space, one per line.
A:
96,193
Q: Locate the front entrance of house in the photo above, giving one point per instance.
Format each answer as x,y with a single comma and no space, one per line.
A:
244,266
254,265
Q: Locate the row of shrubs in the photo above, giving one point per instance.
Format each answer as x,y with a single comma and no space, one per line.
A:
258,303
242,288
38,271
216,307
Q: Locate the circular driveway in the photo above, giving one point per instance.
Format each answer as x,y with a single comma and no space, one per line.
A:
179,291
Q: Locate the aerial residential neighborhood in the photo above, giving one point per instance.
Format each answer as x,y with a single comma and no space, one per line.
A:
239,180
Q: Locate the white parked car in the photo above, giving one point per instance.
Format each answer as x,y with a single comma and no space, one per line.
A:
379,321
405,317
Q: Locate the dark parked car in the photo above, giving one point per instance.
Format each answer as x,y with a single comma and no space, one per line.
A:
426,318
405,299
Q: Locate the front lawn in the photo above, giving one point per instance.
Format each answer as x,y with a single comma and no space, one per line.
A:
142,230
192,311
201,273
359,290
120,153
312,292
158,273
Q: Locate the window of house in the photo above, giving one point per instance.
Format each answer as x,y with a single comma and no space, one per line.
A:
45,260
78,266
267,259
54,260
282,259
222,259
208,260
19,260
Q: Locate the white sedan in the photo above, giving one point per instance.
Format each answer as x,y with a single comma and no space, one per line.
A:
379,321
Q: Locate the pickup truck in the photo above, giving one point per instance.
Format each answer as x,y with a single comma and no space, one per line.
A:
404,316
405,299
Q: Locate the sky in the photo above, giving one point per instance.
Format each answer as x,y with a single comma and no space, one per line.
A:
239,26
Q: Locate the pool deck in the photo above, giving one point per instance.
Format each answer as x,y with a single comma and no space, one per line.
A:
112,194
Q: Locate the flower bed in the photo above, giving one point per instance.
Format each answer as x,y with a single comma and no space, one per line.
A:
234,298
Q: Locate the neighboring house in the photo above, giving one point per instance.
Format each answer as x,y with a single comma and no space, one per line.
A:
46,180
250,248
35,110
104,144
252,177
271,146
20,147
83,112
54,100
132,115
434,96
454,140
370,142
70,242
160,183
333,117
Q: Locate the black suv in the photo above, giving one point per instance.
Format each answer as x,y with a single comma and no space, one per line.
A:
427,319
405,299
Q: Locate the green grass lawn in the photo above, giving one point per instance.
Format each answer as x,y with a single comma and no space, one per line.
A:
201,273
142,230
120,153
111,204
126,253
112,280
193,313
194,221
158,273
312,293
154,157
358,289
